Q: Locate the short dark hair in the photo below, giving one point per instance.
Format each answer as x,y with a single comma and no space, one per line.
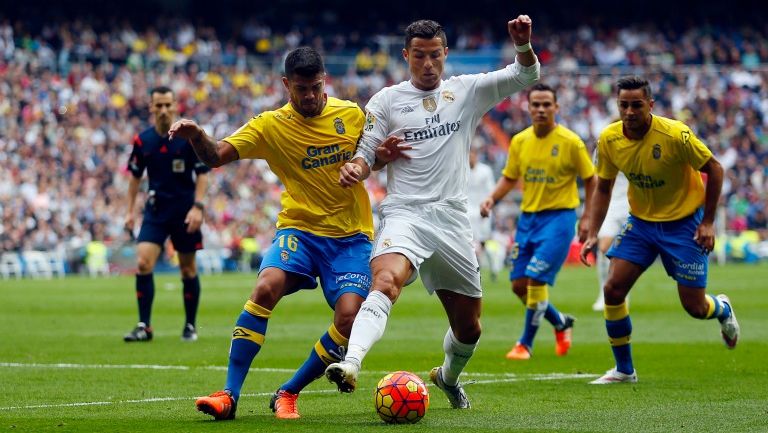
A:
541,87
633,82
161,90
304,62
424,29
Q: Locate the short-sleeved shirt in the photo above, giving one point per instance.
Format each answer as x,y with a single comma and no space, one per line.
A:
662,168
548,167
171,166
306,153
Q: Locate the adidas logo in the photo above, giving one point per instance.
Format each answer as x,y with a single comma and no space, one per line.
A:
406,110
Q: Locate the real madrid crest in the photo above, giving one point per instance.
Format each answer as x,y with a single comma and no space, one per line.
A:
386,243
339,125
448,96
656,151
429,103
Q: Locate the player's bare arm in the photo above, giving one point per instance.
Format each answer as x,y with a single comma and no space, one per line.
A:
597,207
705,232
589,188
213,154
520,30
503,186
353,172
195,215
133,190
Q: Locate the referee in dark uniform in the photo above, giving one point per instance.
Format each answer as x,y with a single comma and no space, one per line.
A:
174,207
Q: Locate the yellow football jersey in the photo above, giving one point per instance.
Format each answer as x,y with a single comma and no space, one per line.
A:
548,168
306,154
662,168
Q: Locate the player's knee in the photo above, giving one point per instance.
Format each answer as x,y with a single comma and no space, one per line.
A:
188,271
520,288
144,265
266,293
613,293
386,282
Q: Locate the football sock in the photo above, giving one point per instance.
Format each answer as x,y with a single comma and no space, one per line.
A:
247,339
536,305
325,352
368,326
619,328
457,354
554,316
145,294
717,309
191,297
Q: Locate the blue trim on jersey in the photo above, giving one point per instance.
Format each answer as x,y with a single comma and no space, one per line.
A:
640,242
341,264
541,244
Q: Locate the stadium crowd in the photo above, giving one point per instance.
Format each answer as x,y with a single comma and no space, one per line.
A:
72,96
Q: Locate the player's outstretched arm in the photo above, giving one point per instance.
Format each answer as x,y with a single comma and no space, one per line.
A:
213,154
520,30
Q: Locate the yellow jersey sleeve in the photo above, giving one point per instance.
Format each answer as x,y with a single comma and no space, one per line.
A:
512,167
249,140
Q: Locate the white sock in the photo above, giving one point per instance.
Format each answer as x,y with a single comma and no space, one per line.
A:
368,326
603,263
457,355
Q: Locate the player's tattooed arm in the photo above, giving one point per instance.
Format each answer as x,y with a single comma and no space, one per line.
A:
212,153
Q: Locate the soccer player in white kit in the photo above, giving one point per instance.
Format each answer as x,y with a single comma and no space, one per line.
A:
481,184
422,129
618,211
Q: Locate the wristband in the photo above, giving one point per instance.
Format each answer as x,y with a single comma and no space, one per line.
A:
523,48
199,205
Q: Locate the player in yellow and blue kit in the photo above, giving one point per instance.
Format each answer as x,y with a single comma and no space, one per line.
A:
547,157
323,230
671,215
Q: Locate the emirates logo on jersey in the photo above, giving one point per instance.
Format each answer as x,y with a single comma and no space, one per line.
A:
430,104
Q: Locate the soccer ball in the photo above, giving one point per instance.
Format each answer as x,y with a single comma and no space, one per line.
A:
401,397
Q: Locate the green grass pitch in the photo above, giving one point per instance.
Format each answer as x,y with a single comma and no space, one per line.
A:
65,368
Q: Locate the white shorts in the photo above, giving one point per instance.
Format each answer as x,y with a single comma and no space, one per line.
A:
614,219
437,240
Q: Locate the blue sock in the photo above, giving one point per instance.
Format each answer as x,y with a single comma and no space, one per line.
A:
717,309
247,339
619,327
529,331
554,317
325,352
191,297
145,294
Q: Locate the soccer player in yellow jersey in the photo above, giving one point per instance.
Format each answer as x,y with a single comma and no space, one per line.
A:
671,215
546,157
323,231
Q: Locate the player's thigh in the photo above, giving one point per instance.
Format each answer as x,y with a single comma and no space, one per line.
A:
400,234
391,272
291,252
152,236
343,265
637,242
622,275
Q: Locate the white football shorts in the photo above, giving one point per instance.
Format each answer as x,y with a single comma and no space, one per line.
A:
437,240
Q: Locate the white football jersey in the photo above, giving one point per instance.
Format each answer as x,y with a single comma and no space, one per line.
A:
439,124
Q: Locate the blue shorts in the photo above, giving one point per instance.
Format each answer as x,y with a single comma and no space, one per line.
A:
341,264
684,260
541,244
158,231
